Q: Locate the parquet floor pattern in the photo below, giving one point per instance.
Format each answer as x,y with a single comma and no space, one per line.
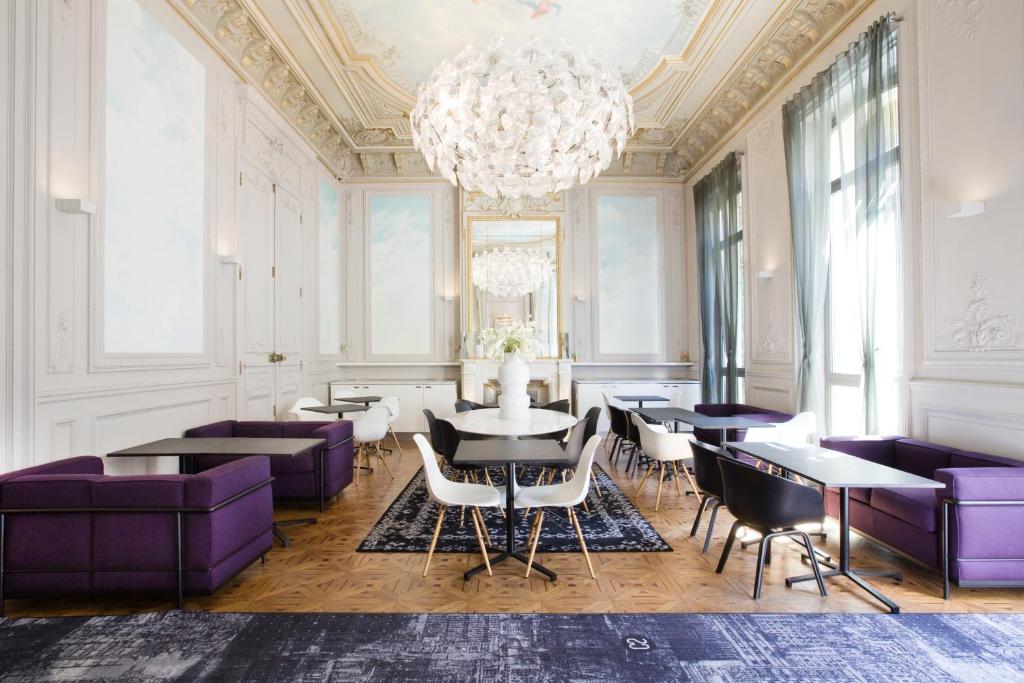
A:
323,572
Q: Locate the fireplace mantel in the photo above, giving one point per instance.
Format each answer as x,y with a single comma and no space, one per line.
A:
555,374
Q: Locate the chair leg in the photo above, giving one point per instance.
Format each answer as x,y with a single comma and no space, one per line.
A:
711,525
636,495
536,538
462,510
540,476
689,478
480,540
728,546
356,458
398,445
583,543
380,457
533,529
762,549
661,482
483,525
596,487
700,512
675,478
814,564
433,541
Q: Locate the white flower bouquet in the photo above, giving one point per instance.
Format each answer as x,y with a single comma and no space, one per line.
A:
517,338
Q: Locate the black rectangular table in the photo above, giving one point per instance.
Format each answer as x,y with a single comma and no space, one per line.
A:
338,408
186,449
365,400
509,453
833,469
701,421
639,399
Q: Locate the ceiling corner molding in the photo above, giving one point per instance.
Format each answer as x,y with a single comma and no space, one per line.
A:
235,34
780,51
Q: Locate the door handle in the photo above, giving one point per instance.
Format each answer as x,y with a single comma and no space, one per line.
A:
275,357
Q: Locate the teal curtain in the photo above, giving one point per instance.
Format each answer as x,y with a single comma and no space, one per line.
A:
853,99
716,206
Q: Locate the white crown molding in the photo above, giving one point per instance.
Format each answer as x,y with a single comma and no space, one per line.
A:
780,50
233,32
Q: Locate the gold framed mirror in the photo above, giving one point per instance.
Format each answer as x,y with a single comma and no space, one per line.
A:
511,284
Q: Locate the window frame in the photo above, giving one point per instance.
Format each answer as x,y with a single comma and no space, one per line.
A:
338,355
101,360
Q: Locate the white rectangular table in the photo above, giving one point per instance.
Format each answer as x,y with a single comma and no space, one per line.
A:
833,469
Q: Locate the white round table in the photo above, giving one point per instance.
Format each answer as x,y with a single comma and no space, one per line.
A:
486,422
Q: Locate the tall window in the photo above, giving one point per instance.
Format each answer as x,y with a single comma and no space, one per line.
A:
861,259
628,268
154,215
329,254
400,278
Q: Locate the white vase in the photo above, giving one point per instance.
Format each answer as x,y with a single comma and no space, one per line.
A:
513,375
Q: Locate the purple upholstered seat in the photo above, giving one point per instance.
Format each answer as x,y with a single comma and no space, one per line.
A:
226,515
986,542
294,478
714,436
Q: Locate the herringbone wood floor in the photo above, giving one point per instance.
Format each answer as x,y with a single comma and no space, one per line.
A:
323,572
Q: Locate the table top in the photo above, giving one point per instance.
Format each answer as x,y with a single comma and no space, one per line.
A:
494,452
832,468
357,399
698,420
338,408
220,446
629,398
486,422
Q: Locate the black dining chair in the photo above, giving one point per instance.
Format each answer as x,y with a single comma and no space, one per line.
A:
708,476
772,506
560,406
464,406
620,431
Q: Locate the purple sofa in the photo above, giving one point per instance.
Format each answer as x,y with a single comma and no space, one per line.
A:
65,528
979,516
317,475
714,436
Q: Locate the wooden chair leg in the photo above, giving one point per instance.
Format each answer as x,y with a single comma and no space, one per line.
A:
540,476
642,482
596,487
358,460
480,540
380,457
398,445
462,510
433,541
483,526
536,538
661,482
675,479
583,543
689,478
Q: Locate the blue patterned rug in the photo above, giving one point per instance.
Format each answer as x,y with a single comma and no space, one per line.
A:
197,646
613,523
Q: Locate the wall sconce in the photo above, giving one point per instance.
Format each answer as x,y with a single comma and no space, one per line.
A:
448,297
579,298
228,260
765,274
965,209
80,206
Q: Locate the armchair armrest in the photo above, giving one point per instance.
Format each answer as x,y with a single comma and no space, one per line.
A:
217,485
334,433
981,484
878,449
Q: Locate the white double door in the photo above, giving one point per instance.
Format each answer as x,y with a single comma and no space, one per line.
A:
270,218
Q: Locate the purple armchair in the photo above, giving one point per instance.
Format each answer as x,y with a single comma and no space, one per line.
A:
972,531
65,528
319,474
714,436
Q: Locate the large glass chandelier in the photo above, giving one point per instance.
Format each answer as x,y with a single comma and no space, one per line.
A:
521,121
511,272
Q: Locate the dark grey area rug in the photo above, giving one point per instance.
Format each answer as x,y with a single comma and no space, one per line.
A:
613,523
196,646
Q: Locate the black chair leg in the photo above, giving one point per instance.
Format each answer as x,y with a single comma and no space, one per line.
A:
814,564
711,525
763,554
768,552
700,511
728,546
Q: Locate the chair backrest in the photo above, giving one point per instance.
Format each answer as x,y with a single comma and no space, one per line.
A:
464,406
658,444
439,487
297,413
372,425
591,419
577,439
705,467
561,406
576,489
393,404
436,440
765,501
619,420
450,440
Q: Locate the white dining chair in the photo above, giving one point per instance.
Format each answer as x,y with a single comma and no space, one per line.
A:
367,433
297,414
566,495
447,493
664,449
394,406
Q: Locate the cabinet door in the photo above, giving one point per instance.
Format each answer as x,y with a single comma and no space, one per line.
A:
340,391
589,396
410,404
439,398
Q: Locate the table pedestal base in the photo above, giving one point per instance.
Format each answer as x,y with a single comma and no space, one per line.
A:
280,535
518,554
855,576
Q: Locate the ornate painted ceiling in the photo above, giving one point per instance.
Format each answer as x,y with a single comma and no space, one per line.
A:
345,72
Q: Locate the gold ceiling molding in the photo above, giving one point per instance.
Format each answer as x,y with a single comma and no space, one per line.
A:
775,55
236,35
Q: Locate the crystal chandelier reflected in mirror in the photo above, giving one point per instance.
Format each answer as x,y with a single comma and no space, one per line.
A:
511,272
521,121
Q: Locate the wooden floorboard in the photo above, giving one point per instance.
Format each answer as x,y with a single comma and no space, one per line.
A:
322,572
